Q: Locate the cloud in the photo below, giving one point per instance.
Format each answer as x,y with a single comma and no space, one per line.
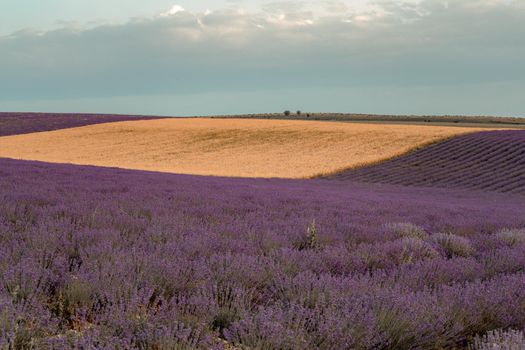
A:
172,11
288,45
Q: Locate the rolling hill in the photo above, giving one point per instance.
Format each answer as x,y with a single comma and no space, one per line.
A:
226,147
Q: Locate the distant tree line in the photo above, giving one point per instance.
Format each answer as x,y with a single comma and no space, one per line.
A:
287,113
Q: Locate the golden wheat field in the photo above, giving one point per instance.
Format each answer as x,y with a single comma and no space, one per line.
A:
226,147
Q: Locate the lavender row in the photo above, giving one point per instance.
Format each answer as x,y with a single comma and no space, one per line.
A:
25,123
492,161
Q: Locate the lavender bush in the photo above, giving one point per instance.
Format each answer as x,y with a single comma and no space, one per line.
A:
500,340
453,244
406,229
94,258
512,236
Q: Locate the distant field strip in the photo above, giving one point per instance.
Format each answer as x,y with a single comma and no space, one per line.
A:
233,147
25,123
493,160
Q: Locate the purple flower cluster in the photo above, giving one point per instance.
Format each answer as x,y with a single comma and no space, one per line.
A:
95,258
25,123
490,161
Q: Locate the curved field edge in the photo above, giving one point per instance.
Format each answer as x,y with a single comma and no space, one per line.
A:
25,123
93,257
226,147
329,175
490,160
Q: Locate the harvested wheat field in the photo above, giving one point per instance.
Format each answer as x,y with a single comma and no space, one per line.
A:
232,147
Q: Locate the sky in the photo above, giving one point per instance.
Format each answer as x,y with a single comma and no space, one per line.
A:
189,57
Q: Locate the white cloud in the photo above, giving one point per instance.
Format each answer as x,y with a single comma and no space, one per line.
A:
173,11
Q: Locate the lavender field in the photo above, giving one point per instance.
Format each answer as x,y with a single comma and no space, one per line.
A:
344,175
95,258
489,161
25,123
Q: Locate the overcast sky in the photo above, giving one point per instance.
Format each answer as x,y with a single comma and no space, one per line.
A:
218,57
